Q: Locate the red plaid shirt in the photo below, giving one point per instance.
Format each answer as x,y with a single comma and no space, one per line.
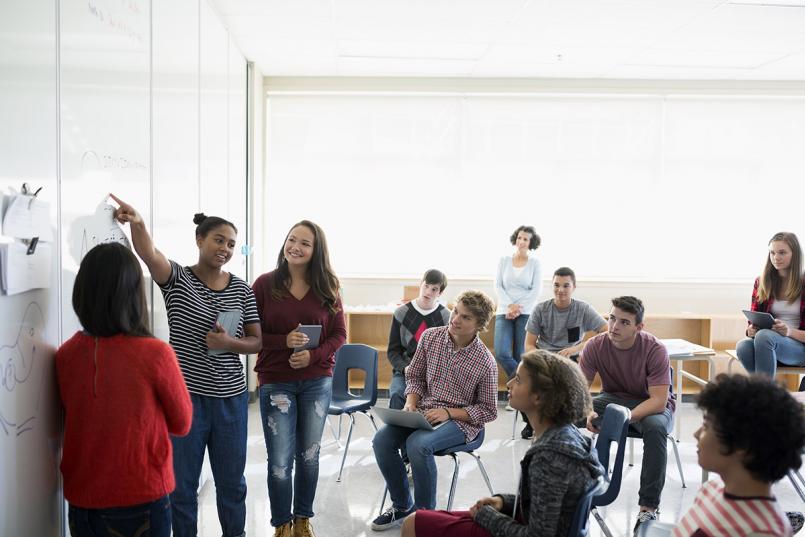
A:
444,377
766,306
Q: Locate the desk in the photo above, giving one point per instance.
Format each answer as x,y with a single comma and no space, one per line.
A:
681,350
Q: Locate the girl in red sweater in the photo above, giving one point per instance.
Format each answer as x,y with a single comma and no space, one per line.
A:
296,382
122,393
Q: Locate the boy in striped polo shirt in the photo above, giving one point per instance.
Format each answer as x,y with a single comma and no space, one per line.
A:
753,433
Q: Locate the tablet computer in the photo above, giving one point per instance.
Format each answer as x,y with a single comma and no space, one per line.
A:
761,319
313,333
403,418
229,321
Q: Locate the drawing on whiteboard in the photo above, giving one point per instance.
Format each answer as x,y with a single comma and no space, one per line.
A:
98,228
18,361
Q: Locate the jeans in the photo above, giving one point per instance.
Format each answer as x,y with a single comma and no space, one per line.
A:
654,429
293,416
762,353
397,390
508,333
420,446
219,425
151,519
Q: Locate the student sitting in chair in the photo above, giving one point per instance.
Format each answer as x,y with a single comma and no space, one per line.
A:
559,324
556,471
453,378
635,373
407,326
752,434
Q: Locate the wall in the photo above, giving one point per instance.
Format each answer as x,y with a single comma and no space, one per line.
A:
143,99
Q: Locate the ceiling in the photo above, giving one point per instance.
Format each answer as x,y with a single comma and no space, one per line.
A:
613,39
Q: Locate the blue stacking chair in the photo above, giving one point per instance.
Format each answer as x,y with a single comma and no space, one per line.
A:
453,452
580,527
614,426
353,356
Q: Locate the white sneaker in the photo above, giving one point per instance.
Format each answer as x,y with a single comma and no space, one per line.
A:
509,408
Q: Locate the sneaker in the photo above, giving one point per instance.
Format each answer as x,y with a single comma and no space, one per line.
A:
643,516
284,531
527,432
796,519
392,518
509,408
302,528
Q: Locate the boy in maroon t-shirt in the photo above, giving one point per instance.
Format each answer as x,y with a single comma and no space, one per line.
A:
635,373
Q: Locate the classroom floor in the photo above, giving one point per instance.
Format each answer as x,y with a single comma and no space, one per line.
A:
345,509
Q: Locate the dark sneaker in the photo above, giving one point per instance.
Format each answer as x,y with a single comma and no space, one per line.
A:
796,519
642,517
392,518
527,432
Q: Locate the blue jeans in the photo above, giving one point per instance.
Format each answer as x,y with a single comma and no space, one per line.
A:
151,519
420,446
397,390
509,341
762,353
293,416
219,424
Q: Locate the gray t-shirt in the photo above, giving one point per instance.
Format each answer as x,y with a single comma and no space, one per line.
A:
559,329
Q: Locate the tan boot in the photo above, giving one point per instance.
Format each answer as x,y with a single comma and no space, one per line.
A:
284,530
302,528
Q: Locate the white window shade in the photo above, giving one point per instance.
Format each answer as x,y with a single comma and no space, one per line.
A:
637,187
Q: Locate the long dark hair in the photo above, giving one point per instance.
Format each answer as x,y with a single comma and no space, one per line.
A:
109,293
319,274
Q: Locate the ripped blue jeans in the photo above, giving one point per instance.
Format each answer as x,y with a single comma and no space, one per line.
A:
293,416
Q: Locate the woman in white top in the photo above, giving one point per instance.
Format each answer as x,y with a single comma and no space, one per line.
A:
518,283
780,291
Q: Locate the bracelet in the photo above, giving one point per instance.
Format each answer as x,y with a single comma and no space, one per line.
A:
449,417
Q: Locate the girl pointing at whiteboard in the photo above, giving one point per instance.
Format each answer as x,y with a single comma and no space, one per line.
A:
195,297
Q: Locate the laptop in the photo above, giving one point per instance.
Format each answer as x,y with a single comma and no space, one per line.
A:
403,418
761,319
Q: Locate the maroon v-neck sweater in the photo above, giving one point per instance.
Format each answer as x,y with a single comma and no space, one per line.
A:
280,317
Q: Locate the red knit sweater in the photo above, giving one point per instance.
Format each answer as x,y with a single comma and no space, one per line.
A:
122,395
280,317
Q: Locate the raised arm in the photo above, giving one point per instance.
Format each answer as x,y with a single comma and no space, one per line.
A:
158,265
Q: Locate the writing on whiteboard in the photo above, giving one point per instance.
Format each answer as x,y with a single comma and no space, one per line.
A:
18,361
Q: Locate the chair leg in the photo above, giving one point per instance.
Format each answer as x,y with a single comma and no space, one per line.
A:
793,479
371,418
335,436
383,501
453,483
514,423
678,461
483,472
631,452
346,447
601,523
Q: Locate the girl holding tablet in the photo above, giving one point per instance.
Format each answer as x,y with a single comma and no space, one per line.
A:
196,297
295,373
779,291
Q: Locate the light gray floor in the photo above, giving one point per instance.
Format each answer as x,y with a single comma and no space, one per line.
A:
345,509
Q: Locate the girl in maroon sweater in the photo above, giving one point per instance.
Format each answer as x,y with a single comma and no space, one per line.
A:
295,385
122,393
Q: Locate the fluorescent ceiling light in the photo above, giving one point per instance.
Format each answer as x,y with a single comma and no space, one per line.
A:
411,50
768,3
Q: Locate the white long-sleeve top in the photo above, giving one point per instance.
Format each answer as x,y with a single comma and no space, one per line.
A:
523,288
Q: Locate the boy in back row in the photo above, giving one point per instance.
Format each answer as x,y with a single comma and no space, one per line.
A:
408,323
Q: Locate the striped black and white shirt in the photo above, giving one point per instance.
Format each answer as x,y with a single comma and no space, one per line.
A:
193,309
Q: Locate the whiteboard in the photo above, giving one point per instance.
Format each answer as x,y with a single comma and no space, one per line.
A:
30,502
125,117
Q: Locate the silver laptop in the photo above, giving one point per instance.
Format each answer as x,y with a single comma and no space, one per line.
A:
403,418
